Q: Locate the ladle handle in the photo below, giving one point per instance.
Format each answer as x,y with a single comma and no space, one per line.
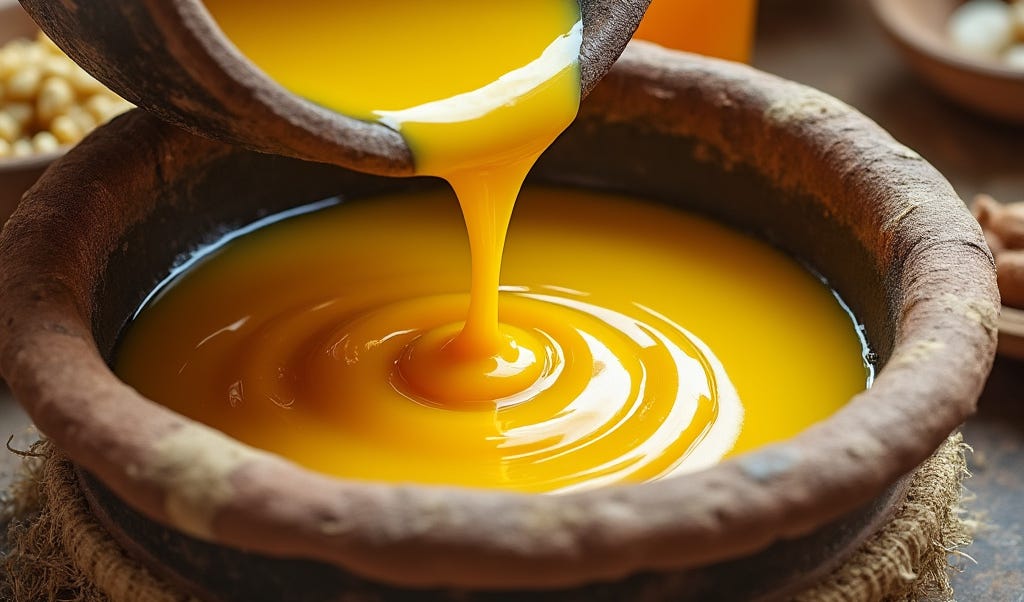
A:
169,57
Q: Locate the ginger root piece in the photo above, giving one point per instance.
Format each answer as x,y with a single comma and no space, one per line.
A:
1010,277
1004,221
1003,225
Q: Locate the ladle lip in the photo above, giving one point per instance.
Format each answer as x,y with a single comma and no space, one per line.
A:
941,295
171,58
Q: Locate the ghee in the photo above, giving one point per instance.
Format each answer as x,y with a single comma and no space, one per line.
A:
346,340
477,89
654,324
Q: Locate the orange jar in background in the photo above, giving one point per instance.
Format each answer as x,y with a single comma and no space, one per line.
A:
721,28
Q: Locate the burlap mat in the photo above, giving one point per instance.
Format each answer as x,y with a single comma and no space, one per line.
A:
58,552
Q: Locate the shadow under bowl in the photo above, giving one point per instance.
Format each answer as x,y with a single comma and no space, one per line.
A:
770,157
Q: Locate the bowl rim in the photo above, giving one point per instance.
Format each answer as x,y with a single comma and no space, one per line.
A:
36,161
947,55
192,478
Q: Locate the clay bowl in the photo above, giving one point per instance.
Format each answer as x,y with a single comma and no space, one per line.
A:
16,175
168,56
782,161
918,29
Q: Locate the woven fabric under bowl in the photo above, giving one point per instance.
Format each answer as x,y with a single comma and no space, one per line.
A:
55,549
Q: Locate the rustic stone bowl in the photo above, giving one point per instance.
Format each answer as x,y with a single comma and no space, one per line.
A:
780,160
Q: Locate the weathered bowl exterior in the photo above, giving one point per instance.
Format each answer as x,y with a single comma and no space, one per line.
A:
781,160
169,57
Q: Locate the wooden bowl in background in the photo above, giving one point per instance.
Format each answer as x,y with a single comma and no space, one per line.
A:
918,28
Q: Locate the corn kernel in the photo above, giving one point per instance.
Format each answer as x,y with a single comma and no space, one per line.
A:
55,98
45,143
22,147
46,100
66,130
101,106
10,129
59,66
24,83
22,112
11,61
83,83
82,118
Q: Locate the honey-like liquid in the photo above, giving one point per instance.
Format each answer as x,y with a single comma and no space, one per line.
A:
478,90
370,341
667,342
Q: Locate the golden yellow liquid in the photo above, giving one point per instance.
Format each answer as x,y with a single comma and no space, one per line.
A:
721,28
370,341
477,89
671,342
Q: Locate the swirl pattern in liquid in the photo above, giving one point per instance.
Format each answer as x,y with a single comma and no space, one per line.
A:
636,330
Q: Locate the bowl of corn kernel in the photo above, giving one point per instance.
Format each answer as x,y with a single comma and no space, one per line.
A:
47,104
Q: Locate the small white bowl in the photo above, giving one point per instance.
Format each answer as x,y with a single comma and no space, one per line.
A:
918,28
18,174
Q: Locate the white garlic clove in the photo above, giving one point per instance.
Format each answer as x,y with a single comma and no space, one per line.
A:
982,27
1014,57
1017,14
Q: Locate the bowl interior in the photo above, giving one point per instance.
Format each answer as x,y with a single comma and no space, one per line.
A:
235,188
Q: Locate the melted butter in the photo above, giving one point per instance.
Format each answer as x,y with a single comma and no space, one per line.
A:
477,90
650,325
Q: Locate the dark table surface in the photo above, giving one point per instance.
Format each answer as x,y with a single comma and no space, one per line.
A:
834,45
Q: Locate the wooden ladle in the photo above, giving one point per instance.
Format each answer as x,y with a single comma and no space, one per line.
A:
169,57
